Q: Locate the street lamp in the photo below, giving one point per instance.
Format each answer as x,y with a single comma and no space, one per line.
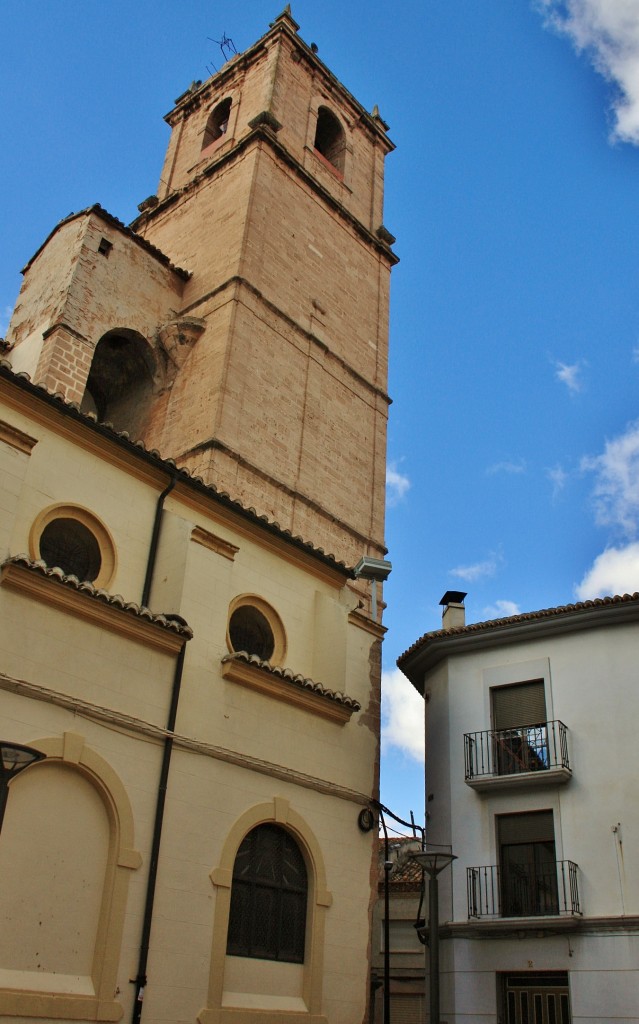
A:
433,863
14,758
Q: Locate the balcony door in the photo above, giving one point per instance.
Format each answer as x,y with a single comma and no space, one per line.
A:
527,864
520,734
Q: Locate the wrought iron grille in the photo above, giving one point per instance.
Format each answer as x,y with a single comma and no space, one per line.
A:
530,748
523,891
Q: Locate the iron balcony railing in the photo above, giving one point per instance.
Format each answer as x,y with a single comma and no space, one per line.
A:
528,748
523,890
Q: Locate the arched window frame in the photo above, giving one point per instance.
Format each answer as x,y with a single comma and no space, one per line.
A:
278,811
218,124
336,161
248,878
104,401
72,751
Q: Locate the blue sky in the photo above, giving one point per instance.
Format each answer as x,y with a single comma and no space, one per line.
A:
513,193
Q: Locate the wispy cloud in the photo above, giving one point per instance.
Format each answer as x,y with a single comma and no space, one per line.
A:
635,354
614,571
608,32
397,485
477,570
570,375
558,478
616,490
501,610
507,466
402,715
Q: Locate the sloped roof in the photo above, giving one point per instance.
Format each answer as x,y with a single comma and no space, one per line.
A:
113,600
168,466
119,226
436,644
295,679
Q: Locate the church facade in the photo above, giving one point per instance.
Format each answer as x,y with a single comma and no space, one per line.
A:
192,437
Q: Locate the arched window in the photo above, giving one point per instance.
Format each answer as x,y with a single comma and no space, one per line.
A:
217,124
120,380
268,897
330,140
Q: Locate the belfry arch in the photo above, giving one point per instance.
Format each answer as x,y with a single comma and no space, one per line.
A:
120,382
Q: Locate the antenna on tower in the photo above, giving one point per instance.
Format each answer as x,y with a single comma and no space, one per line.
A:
226,45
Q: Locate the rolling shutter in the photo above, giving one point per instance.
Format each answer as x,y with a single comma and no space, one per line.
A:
523,704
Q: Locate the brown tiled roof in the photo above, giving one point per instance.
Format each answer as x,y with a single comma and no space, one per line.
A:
114,600
295,679
153,456
510,620
406,875
122,228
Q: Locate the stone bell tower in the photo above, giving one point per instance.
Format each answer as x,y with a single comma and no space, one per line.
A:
241,322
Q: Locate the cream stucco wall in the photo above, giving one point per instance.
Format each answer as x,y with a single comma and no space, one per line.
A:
588,670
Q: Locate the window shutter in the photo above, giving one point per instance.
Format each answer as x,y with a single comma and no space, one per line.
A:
525,828
523,704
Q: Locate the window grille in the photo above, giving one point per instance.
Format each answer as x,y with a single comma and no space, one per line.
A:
268,897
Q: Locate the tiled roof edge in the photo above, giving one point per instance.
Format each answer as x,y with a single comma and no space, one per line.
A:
153,457
114,600
120,226
522,617
294,678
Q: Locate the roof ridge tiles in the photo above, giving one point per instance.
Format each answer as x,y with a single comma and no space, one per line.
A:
296,678
97,593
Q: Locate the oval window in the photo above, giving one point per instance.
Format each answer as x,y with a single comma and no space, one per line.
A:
71,546
249,631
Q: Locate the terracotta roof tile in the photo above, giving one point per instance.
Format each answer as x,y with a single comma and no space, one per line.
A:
295,679
544,613
114,600
123,438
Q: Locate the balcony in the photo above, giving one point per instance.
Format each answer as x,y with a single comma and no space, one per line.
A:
523,891
527,755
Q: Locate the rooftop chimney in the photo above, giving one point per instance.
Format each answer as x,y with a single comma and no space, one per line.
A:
454,613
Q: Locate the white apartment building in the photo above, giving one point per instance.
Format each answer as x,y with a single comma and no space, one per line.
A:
531,725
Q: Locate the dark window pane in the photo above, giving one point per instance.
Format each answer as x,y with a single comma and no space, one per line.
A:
249,631
268,898
70,546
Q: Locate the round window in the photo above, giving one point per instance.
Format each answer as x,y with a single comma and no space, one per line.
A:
71,546
256,628
250,631
71,538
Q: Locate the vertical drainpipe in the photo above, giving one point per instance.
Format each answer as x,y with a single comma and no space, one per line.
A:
140,979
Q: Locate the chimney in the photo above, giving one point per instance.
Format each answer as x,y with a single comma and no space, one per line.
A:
454,613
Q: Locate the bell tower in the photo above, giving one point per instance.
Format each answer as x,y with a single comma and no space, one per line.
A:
271,196
240,325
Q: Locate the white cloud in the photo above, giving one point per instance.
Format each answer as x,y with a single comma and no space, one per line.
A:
507,467
397,484
570,375
557,477
402,715
476,571
635,354
608,32
614,571
501,610
616,491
